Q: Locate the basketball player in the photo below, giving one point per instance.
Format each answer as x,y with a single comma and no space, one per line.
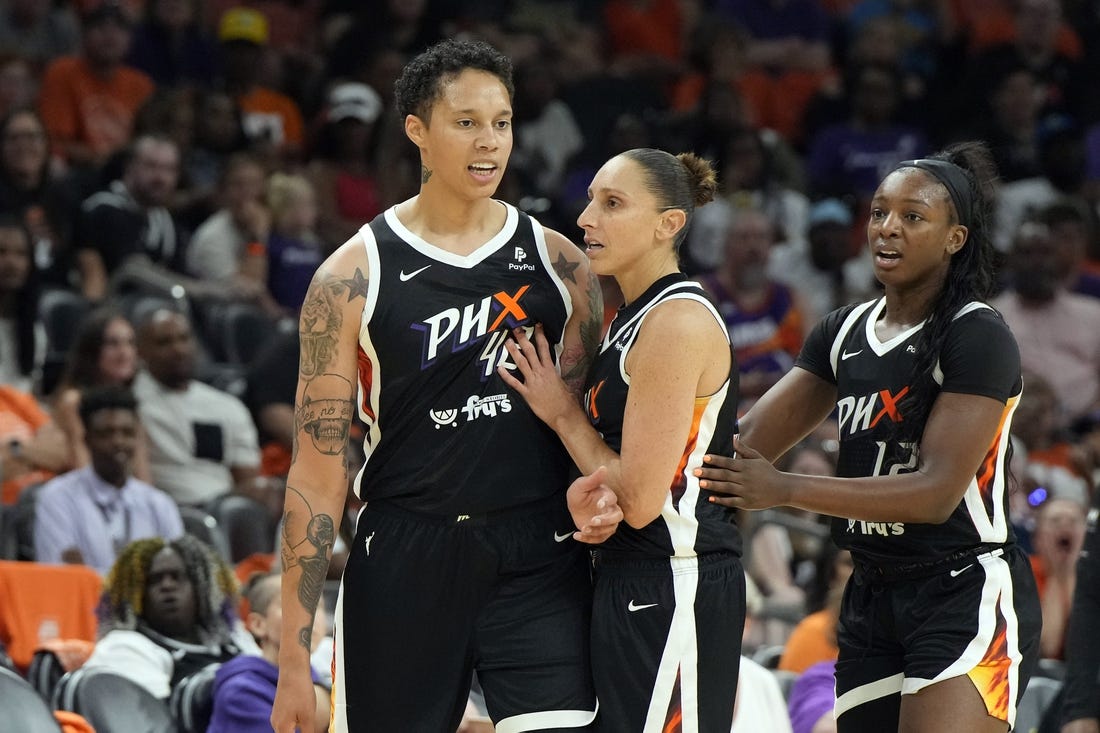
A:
670,591
464,557
939,625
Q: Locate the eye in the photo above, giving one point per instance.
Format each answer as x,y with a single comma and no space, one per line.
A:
878,214
612,203
503,124
465,123
912,216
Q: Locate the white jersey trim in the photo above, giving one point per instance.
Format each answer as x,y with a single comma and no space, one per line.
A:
680,655
374,428
866,693
441,255
546,719
566,299
845,327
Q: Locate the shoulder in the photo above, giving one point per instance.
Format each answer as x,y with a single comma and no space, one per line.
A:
348,257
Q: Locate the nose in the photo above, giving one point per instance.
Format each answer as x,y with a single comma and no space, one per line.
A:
890,224
584,221
488,140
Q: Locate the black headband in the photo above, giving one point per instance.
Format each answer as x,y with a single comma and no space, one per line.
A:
954,179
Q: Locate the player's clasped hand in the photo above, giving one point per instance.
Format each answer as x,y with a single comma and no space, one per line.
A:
748,481
594,508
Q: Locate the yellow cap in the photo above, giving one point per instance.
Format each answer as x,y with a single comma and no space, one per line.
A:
243,24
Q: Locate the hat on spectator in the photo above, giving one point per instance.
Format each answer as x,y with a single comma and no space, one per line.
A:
830,211
354,101
95,12
243,24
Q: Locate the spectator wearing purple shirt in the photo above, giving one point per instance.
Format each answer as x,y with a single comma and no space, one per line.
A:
812,698
849,159
87,515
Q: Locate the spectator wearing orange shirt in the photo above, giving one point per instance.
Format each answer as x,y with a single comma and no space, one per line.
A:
271,120
89,100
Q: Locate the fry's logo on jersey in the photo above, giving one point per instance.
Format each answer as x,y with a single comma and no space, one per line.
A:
474,408
885,529
863,413
453,329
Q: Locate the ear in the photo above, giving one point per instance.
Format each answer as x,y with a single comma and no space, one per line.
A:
670,223
416,130
957,238
256,623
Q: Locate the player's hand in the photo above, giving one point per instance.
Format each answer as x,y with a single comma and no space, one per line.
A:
295,701
594,508
1082,725
541,387
747,481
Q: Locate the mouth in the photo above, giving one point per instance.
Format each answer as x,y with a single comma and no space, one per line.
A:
482,170
887,257
592,245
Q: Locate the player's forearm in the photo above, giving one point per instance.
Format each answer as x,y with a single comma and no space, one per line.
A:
912,497
311,520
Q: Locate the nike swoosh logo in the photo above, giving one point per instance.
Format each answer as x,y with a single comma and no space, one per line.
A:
957,573
406,276
562,537
632,607
846,355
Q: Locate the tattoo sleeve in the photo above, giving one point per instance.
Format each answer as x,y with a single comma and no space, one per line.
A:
321,319
576,361
307,544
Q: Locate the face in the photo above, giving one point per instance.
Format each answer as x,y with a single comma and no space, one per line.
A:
176,14
217,125
1060,529
107,42
244,184
1036,263
621,219
170,605
749,242
17,84
467,142
300,214
875,98
111,436
153,173
168,349
118,355
15,259
910,230
25,146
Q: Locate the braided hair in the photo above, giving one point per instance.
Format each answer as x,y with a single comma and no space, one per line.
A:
215,585
970,276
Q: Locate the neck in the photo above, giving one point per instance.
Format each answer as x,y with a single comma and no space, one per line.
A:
637,279
906,308
436,217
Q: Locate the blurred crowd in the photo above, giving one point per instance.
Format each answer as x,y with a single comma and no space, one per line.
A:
172,172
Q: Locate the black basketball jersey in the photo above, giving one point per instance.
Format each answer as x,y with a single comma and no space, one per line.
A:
979,357
445,434
689,524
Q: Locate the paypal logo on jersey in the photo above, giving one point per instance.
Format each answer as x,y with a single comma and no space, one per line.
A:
519,264
452,329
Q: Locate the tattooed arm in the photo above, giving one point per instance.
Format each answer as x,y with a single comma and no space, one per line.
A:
582,334
318,480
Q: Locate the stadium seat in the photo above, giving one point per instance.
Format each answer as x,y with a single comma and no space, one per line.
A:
201,524
245,524
768,656
60,312
22,522
112,703
192,700
786,680
237,332
22,709
1037,697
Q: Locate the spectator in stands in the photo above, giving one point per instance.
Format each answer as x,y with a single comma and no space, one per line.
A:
1073,229
789,42
1010,123
22,340
1062,173
1047,449
171,46
103,353
202,442
813,640
812,698
44,202
89,100
343,167
765,319
244,687
38,30
1047,321
230,247
294,249
127,232
758,705
848,159
168,610
1058,539
271,119
1081,705
86,516
32,447
18,83
219,134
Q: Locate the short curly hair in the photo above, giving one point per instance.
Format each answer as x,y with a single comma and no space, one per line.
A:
216,588
421,82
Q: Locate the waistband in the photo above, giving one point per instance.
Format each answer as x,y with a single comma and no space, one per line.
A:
624,563
496,516
911,571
